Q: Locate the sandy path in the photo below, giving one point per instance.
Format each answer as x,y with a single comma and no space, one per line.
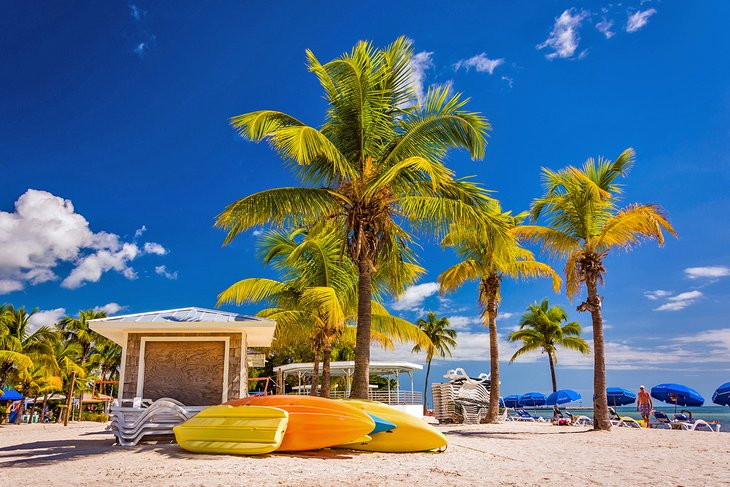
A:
509,454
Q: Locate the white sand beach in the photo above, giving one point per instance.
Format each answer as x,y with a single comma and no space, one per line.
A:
508,454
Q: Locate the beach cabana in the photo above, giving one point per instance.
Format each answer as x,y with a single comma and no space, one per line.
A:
193,355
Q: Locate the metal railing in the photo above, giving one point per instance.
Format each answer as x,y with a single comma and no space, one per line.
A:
387,397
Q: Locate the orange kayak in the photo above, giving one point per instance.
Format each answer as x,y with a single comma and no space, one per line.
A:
314,422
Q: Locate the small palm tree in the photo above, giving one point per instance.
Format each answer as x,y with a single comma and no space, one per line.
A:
374,166
76,330
487,256
20,349
585,223
443,339
542,328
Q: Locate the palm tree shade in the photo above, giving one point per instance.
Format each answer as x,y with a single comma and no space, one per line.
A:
584,223
443,340
374,167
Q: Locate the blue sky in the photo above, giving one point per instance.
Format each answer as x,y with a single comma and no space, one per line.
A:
117,154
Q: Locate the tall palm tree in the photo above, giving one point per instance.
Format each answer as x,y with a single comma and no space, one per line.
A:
443,339
76,330
585,223
542,328
488,257
316,297
375,165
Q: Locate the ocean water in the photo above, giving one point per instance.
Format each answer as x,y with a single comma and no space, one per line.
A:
721,414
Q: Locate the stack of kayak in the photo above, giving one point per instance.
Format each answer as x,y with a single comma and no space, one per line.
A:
265,424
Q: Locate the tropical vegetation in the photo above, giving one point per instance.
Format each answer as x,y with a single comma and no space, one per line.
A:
488,257
63,357
543,328
315,299
443,341
375,168
584,224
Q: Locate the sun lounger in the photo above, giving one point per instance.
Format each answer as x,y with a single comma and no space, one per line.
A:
522,415
132,425
692,424
622,421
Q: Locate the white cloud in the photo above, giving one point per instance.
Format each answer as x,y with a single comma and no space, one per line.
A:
464,322
604,27
136,12
508,80
420,63
709,271
154,248
639,19
258,233
505,316
481,63
47,317
141,49
110,308
564,38
659,293
162,271
680,301
138,233
414,296
44,231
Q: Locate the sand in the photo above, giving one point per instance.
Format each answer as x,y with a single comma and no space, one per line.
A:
507,454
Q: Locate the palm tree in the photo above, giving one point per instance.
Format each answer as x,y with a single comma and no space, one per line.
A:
541,328
584,224
375,165
316,297
18,347
106,357
488,257
76,330
443,339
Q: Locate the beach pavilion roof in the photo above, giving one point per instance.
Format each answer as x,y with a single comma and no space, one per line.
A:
346,368
259,331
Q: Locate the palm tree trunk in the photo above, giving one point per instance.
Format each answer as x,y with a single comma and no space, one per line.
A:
552,371
425,386
69,398
361,376
21,407
492,290
326,359
43,407
313,391
600,400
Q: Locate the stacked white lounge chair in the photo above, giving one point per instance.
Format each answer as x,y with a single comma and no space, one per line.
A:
130,425
462,399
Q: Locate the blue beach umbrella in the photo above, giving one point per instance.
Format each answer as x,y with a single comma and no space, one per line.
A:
511,401
562,396
9,394
677,394
722,395
532,399
618,396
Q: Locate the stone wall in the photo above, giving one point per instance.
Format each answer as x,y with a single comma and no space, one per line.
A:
236,366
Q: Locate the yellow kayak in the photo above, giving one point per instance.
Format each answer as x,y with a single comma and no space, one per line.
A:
253,430
410,435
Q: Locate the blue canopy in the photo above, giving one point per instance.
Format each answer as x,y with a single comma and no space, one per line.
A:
562,396
618,396
722,395
9,394
677,394
512,401
532,399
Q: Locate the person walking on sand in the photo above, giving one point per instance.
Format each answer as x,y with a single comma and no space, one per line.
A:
645,405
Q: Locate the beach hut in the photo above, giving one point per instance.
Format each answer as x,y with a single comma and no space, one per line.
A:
196,356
